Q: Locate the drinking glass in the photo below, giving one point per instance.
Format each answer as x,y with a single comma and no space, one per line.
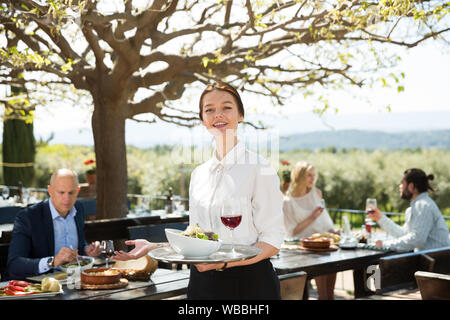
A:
146,204
5,193
370,204
231,216
322,203
107,250
25,195
178,204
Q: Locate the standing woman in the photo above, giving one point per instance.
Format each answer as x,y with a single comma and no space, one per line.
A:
304,216
233,171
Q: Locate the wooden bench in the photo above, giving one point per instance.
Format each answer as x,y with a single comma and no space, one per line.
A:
154,233
8,214
398,271
433,286
4,247
292,285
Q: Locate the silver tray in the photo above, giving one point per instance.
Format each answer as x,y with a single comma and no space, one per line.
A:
167,254
32,296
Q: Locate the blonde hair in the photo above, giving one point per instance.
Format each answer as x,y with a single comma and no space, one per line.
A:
298,177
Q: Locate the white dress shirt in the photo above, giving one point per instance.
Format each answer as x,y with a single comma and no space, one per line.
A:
241,173
424,227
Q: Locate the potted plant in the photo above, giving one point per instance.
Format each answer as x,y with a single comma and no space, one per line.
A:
91,176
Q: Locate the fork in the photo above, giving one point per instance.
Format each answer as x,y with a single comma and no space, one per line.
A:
78,260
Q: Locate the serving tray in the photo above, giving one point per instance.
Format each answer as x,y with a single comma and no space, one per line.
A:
224,254
32,296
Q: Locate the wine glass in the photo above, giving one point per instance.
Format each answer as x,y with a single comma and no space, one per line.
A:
231,216
322,203
107,250
25,195
5,193
370,205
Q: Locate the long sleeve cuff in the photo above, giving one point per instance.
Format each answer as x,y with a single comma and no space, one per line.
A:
43,267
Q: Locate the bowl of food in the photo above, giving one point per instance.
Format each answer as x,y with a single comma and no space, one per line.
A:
193,242
85,262
100,276
316,243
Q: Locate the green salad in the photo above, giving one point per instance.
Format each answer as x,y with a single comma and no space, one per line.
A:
83,262
194,231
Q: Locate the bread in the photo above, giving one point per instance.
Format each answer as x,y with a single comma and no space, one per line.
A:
49,284
316,243
137,270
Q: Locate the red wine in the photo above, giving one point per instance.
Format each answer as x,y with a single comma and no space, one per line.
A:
370,210
231,221
109,253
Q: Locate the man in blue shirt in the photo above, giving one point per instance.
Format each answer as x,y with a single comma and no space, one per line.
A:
49,233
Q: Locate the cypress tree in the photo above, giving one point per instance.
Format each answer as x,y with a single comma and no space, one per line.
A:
19,149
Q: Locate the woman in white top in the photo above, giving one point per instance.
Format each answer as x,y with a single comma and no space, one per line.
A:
233,171
304,216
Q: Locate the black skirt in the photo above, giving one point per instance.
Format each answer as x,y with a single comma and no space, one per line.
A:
257,281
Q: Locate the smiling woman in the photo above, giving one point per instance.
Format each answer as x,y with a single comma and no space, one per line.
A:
233,172
221,111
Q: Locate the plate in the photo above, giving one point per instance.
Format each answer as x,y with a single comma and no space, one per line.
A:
40,277
332,247
347,246
293,240
168,255
89,262
32,296
121,284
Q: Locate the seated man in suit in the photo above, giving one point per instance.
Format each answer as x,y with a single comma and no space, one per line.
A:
51,232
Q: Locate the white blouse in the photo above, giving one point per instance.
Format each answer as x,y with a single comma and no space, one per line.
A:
297,209
241,173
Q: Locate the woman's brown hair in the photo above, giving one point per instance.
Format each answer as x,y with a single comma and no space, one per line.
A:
222,86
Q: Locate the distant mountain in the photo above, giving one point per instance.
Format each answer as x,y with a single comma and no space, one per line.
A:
368,140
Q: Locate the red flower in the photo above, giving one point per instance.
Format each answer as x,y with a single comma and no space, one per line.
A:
90,161
285,163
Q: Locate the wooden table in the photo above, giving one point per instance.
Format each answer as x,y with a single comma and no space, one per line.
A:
113,229
320,263
164,283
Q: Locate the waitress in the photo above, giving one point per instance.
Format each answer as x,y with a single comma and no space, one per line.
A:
233,171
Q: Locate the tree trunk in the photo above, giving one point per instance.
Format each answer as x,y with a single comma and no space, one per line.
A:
108,124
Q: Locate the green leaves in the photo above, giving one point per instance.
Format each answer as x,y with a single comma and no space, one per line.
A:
67,66
22,58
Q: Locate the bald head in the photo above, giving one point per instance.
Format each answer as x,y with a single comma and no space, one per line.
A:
64,173
63,190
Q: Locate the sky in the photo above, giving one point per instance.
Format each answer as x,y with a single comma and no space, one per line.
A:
423,105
